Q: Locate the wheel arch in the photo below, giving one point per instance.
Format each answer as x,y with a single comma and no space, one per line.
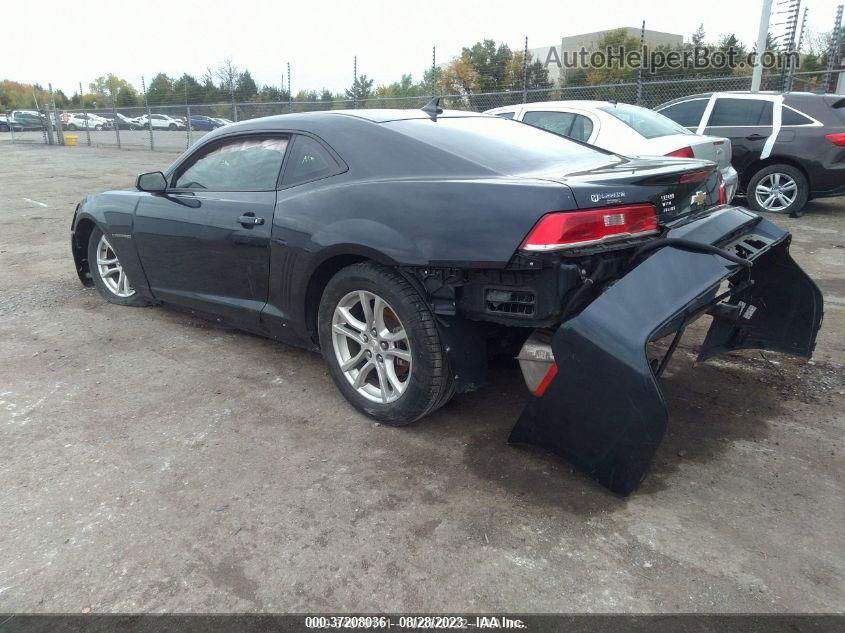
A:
328,267
79,246
749,172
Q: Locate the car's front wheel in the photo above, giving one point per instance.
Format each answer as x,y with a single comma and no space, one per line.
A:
108,274
382,346
778,189
72,127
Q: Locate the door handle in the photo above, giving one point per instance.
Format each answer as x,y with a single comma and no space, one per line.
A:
755,137
249,219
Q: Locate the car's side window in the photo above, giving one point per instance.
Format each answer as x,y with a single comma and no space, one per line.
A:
505,115
557,122
568,124
793,117
686,113
582,127
308,161
741,112
246,163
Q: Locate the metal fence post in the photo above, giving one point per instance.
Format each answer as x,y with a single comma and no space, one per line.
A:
85,114
290,92
234,107
355,82
149,114
9,120
60,137
114,112
525,72
640,69
188,124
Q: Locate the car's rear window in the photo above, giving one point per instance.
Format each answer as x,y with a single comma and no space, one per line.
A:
504,146
647,123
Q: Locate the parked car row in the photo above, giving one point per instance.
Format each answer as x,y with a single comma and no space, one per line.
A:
777,150
24,120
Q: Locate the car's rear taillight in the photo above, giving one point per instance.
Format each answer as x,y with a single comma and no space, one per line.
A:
837,138
570,229
684,152
723,190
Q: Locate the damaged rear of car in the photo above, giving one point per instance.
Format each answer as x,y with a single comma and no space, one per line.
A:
648,247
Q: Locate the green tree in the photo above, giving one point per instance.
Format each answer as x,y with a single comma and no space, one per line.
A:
362,88
187,89
160,91
245,88
492,64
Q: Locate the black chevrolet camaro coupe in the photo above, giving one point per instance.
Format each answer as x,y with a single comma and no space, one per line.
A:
406,244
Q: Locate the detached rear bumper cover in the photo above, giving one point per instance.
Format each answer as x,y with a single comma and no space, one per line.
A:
604,409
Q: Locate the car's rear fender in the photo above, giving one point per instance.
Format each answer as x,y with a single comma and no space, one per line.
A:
600,403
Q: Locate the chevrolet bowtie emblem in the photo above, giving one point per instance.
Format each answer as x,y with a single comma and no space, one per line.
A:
698,198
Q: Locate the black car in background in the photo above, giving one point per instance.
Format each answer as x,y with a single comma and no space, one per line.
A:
787,147
30,120
403,244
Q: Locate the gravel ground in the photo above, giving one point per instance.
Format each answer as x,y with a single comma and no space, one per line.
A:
155,462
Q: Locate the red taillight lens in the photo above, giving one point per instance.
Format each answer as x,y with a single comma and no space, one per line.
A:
723,191
684,152
567,229
836,139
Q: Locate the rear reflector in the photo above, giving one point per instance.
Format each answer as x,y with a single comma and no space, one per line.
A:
836,139
684,152
569,229
547,380
723,190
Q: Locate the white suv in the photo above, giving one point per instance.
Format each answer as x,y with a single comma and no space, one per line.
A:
160,122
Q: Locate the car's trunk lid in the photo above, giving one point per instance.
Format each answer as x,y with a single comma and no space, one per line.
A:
677,187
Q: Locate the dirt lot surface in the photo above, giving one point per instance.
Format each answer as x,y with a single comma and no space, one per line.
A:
154,462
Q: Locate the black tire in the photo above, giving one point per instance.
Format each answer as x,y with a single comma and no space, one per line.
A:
135,300
98,128
4,127
430,384
172,127
796,207
72,127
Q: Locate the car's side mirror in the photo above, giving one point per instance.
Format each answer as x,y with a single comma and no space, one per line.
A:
153,182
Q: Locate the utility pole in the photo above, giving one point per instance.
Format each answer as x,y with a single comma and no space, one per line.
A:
762,33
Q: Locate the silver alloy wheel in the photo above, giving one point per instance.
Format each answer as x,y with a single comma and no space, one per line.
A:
371,346
775,192
111,272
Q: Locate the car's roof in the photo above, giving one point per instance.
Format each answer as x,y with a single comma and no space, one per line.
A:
794,97
565,103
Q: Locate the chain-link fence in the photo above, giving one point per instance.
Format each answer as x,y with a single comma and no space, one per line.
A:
177,127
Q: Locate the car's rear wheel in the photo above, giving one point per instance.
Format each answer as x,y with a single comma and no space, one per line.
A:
72,127
382,346
110,279
99,128
4,127
778,189
172,127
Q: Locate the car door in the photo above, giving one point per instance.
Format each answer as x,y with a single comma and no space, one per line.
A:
747,122
205,242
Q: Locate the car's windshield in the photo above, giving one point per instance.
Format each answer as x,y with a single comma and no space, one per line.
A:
646,122
504,146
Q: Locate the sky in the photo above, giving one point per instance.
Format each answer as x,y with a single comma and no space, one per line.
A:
81,39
